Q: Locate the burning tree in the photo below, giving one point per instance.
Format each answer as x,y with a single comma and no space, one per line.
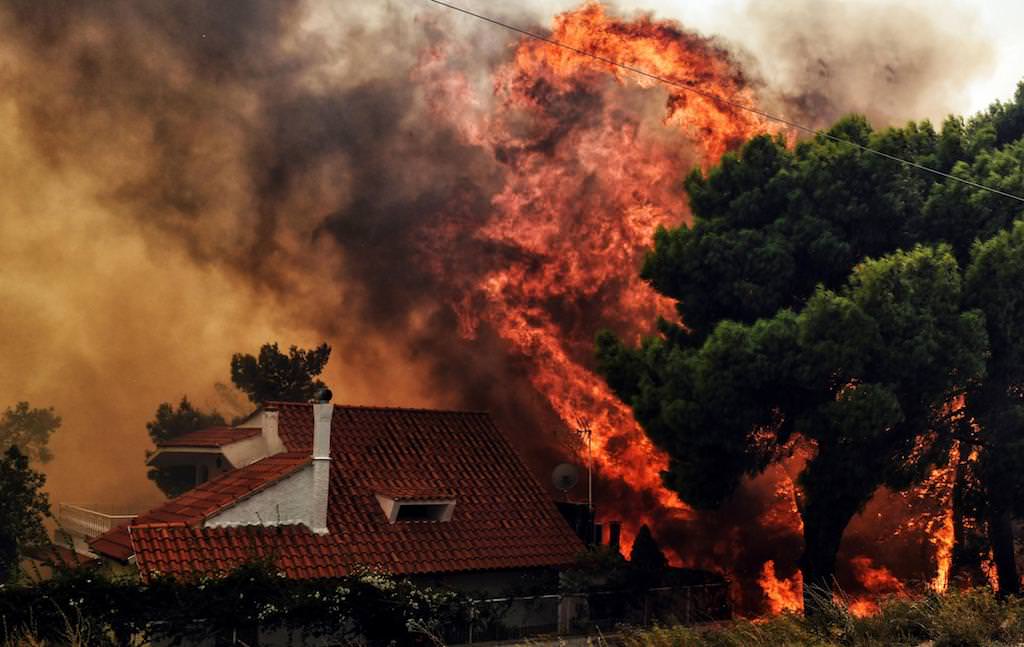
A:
993,284
784,346
861,374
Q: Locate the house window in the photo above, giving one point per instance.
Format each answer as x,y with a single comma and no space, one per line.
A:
404,510
422,511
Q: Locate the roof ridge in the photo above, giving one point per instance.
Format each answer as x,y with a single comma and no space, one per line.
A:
159,524
265,484
374,407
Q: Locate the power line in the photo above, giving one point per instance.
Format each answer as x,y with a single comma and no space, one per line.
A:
722,100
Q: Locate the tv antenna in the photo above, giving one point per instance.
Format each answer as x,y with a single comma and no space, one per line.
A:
584,431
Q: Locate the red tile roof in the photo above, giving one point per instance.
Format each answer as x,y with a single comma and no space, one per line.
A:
502,518
204,500
212,437
59,556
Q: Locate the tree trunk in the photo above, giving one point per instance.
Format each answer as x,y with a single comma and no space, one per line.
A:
824,526
1000,534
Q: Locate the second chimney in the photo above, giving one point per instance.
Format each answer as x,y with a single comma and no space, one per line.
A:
322,414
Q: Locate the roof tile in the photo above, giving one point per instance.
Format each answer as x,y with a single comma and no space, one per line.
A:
211,437
503,518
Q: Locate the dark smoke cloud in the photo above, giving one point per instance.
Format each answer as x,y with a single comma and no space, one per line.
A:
186,180
284,144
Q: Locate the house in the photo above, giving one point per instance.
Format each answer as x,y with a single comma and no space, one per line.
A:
440,496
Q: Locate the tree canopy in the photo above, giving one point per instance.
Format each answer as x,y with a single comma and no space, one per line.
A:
29,429
646,555
168,423
275,376
821,305
993,285
270,376
23,506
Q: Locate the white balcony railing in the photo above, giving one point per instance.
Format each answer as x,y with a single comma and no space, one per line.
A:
90,520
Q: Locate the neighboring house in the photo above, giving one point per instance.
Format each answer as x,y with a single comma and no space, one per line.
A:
325,489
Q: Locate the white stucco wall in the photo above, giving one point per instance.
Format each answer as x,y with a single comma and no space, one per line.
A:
289,500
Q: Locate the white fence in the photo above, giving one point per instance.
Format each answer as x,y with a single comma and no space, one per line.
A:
89,520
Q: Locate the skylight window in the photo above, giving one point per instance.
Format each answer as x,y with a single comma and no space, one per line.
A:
422,511
404,510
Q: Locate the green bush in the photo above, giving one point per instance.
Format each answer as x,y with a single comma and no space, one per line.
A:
373,607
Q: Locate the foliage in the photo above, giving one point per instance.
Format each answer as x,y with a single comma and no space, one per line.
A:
168,423
956,619
821,309
274,376
23,506
371,607
862,373
993,285
646,555
29,429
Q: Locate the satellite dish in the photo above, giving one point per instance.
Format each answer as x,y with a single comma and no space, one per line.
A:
565,476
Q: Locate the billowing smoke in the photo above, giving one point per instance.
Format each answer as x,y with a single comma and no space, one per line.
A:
186,180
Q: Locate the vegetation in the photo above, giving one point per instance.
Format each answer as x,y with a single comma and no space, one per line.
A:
29,430
82,606
957,619
23,506
646,555
993,285
276,376
272,376
820,291
24,436
169,423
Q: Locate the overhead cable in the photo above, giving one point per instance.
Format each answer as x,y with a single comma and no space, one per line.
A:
724,101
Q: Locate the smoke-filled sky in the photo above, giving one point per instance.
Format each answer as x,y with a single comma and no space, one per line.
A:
182,181
867,29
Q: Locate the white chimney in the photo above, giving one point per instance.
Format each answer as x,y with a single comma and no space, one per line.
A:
322,414
269,431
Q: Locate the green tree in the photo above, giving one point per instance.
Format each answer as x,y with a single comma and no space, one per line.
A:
646,555
23,506
773,227
993,285
168,423
860,374
274,376
29,429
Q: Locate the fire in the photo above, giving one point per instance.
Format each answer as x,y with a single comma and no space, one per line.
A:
589,162
783,595
587,180
878,581
941,530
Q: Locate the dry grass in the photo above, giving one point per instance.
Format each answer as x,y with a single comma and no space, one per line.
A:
957,619
76,632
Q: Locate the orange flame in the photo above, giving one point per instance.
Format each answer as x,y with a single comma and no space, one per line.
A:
783,595
587,182
877,581
941,530
586,177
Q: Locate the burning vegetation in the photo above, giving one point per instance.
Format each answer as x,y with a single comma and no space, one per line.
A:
472,222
